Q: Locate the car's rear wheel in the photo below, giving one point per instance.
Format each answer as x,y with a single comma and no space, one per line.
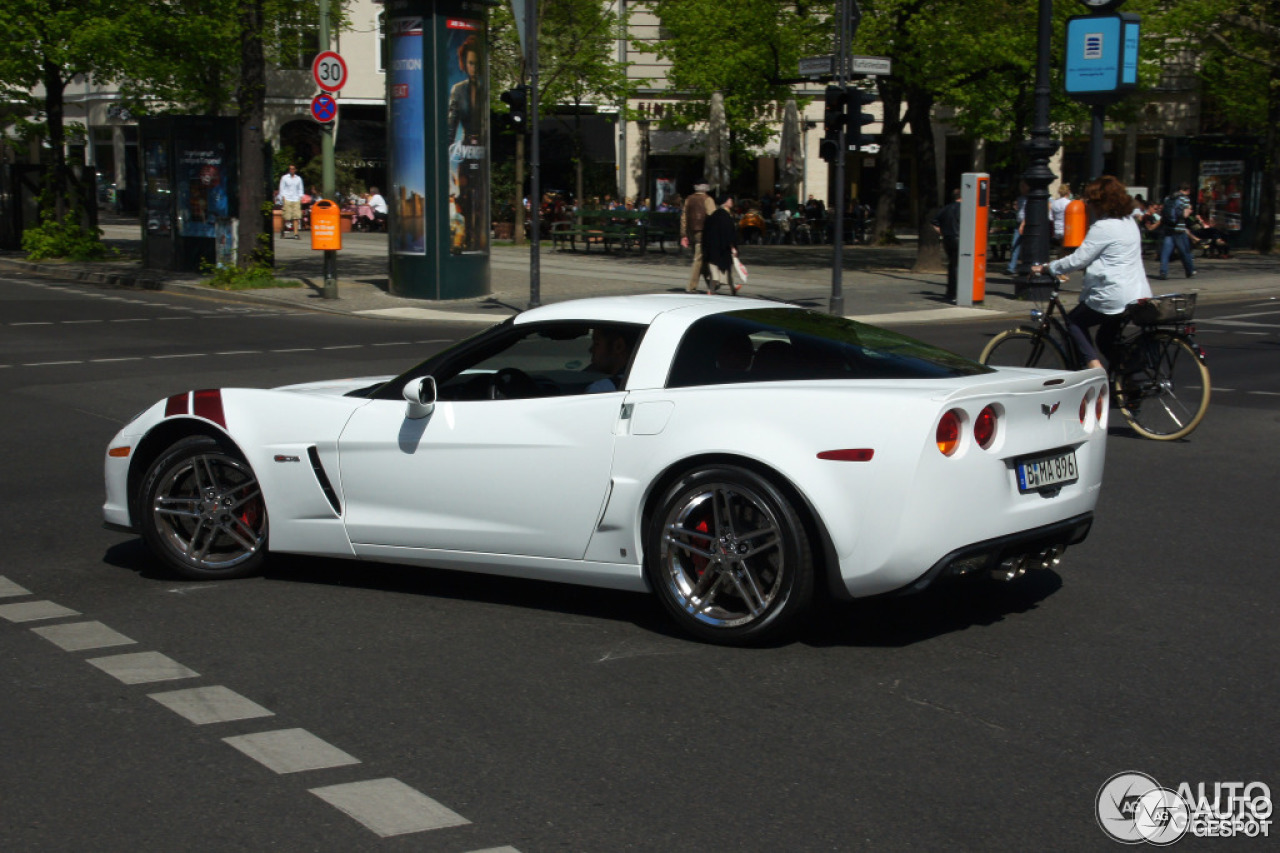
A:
729,556
201,511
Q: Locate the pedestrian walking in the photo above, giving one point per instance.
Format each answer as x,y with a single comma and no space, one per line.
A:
720,245
947,223
291,192
693,218
1177,216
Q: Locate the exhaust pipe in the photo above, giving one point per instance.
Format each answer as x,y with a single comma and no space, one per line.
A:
1010,568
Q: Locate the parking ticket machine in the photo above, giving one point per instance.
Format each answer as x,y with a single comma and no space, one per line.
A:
975,200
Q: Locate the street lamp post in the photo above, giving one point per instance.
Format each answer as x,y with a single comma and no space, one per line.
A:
1040,147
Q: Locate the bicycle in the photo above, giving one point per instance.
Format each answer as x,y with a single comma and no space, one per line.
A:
1157,373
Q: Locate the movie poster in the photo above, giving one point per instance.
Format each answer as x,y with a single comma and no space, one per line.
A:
202,188
1220,195
406,197
467,137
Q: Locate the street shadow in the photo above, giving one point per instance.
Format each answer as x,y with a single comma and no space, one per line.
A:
947,607
888,621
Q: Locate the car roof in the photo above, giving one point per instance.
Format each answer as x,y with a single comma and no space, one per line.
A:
641,309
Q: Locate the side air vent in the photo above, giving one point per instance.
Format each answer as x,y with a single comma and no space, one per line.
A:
323,479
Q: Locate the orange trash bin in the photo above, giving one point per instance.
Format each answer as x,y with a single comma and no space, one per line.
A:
326,225
1075,224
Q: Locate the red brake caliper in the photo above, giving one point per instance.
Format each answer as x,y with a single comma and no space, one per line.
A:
700,563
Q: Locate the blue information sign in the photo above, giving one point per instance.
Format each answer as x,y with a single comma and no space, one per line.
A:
1102,56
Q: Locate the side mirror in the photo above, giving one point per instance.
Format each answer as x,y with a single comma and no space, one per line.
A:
420,394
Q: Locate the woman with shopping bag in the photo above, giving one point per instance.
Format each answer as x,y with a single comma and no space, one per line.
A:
720,246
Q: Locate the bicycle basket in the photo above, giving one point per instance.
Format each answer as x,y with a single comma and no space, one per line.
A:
1167,309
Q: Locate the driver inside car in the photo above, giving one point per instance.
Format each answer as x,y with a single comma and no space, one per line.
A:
610,352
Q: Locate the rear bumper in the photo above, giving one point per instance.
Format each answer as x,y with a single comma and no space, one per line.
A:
988,555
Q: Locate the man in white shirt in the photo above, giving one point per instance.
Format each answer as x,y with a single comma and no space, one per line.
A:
291,192
378,205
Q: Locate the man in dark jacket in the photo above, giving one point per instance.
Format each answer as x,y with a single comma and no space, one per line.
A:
947,223
720,245
693,217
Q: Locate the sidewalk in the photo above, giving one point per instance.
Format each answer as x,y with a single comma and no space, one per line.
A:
877,282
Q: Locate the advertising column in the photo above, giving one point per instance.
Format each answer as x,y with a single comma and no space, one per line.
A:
438,127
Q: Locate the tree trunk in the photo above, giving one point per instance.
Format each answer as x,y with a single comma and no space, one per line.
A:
887,161
928,245
251,99
1265,239
53,108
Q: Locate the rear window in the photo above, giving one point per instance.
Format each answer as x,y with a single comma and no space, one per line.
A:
782,344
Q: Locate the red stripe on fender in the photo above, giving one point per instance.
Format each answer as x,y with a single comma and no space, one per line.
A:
862,454
176,405
209,406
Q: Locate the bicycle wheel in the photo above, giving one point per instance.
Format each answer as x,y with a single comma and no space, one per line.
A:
1023,348
1162,387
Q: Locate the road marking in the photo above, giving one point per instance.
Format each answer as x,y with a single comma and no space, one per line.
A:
291,751
389,807
49,363
132,320
344,346
143,668
394,344
78,636
34,323
1265,393
240,352
121,358
31,611
204,705
79,322
180,355
9,589
296,349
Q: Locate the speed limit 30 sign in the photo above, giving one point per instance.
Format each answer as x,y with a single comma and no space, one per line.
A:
329,71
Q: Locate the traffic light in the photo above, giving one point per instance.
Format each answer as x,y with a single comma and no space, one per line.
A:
858,119
517,100
833,120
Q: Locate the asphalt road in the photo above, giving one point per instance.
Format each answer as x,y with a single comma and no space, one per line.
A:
550,717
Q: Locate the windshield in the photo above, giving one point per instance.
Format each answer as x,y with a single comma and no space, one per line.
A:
781,344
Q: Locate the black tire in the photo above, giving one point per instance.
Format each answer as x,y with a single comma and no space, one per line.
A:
1163,387
729,556
201,512
1023,348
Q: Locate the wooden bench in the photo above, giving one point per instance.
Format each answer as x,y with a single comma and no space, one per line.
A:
1000,238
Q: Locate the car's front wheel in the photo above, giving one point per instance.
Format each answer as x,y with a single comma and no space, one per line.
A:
201,511
729,556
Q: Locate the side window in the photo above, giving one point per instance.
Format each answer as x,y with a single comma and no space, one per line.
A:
545,361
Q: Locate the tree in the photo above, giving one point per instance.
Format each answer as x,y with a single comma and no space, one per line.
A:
745,51
1238,42
49,43
576,63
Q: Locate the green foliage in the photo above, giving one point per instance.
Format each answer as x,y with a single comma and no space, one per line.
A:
65,238
255,275
743,50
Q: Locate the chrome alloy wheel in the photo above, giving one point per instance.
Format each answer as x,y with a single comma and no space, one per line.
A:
208,509
722,554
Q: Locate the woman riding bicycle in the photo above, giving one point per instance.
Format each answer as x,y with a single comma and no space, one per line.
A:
1111,257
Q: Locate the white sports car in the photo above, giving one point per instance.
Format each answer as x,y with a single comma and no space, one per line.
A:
736,457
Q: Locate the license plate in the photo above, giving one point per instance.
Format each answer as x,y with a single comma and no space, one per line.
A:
1047,471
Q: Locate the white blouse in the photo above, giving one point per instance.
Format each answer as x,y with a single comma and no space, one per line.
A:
1111,257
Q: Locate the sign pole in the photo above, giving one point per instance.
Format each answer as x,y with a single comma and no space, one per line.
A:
535,184
327,172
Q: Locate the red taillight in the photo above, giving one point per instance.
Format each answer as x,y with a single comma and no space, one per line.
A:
948,435
1099,406
984,428
1084,406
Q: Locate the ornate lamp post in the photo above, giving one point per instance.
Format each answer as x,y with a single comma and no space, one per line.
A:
1040,147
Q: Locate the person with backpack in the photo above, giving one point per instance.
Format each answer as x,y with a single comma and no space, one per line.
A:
1177,215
